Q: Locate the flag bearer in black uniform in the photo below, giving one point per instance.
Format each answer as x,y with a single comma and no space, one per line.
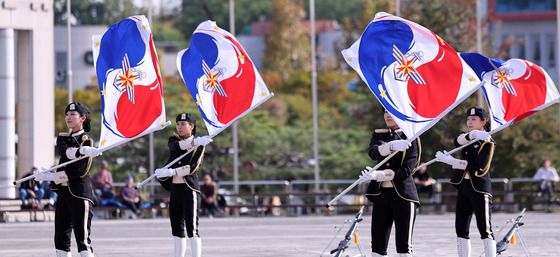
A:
73,183
472,179
181,179
392,189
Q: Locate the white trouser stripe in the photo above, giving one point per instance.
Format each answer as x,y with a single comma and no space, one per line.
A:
487,214
195,212
86,213
410,225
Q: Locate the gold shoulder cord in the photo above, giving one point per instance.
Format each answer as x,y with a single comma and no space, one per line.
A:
90,159
193,171
419,155
486,168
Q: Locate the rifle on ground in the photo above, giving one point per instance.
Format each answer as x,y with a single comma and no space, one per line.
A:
343,244
503,244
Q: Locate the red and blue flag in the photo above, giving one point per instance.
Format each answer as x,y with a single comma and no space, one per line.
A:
222,80
415,75
129,79
514,88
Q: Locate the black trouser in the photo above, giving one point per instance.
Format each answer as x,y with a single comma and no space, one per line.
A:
72,213
183,207
209,208
388,207
425,189
135,207
468,202
547,187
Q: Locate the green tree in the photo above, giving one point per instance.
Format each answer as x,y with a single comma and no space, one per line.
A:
287,44
193,12
454,21
354,25
95,12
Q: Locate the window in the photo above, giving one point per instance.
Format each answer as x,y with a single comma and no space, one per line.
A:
551,50
536,46
524,6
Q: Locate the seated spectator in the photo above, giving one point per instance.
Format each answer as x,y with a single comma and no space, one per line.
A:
209,193
547,175
424,182
49,194
103,182
131,197
30,192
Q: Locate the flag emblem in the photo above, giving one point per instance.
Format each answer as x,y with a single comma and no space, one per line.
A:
405,68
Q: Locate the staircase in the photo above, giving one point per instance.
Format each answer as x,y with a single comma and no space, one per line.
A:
11,211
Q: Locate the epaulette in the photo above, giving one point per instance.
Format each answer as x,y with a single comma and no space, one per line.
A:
379,131
64,134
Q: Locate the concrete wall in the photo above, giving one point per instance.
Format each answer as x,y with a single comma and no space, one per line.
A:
83,73
32,21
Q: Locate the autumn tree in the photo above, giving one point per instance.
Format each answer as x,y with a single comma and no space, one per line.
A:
287,44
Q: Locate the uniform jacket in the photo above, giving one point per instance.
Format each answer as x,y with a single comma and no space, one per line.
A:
403,164
194,159
479,156
79,181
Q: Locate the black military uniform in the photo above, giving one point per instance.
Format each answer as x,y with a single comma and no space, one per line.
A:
185,193
396,200
474,188
75,197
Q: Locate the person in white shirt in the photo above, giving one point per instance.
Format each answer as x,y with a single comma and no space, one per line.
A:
547,175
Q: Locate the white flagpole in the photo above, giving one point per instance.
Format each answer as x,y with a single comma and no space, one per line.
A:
456,149
211,136
498,129
428,126
100,149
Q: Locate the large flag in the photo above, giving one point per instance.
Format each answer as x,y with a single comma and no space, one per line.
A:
130,84
514,88
414,74
220,76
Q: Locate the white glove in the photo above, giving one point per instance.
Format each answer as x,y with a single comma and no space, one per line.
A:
393,146
90,151
43,176
450,160
479,135
164,172
385,175
204,140
368,174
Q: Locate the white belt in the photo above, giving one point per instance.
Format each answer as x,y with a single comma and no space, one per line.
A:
178,179
386,184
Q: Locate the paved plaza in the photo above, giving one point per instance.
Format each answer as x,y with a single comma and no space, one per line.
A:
269,236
